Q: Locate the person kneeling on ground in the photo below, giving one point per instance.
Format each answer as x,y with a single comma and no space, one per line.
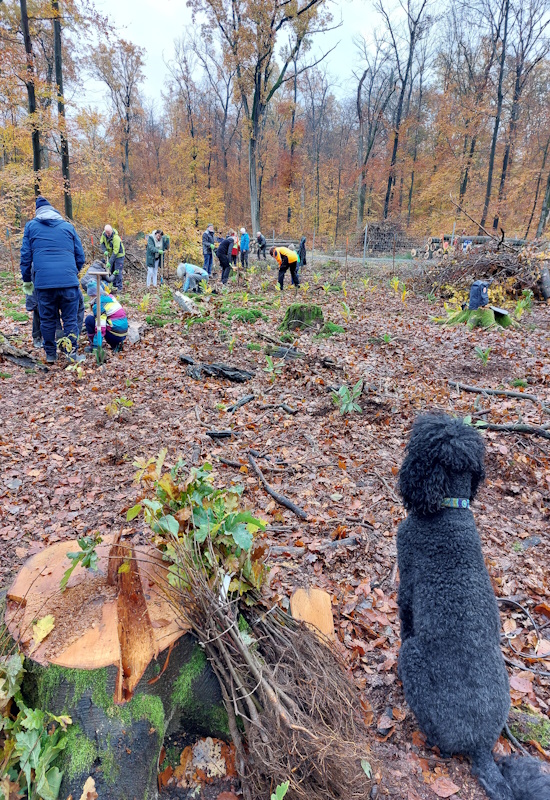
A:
193,276
286,259
114,322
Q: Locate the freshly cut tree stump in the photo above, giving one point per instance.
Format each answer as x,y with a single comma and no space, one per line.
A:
118,661
302,316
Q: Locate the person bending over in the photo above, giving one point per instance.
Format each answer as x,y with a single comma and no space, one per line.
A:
114,322
286,259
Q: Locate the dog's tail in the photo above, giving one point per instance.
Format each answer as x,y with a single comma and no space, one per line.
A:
512,778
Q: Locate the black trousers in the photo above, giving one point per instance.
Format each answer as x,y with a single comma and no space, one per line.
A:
293,271
226,268
261,249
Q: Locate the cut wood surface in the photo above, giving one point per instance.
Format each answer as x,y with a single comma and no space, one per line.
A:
314,607
92,618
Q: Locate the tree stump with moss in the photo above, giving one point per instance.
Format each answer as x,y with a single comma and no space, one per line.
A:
118,661
303,316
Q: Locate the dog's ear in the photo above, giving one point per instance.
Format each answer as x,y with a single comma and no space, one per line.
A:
422,484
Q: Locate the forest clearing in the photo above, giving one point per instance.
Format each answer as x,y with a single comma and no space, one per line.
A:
274,398
70,454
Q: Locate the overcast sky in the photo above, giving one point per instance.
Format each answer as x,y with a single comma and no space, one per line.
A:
154,24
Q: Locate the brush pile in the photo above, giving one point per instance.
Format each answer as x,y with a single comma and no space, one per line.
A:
292,711
516,270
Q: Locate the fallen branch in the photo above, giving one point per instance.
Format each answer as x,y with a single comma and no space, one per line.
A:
287,409
500,393
328,544
243,401
18,356
518,427
279,498
481,228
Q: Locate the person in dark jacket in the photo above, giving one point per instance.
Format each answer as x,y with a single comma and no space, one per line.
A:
302,253
208,246
224,253
153,255
52,251
261,244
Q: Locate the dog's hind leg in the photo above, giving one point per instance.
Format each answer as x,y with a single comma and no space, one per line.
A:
488,774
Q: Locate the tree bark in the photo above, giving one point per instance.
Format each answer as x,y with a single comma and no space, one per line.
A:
514,116
65,161
545,210
31,93
539,181
500,97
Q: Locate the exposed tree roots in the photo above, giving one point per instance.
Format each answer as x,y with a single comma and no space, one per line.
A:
293,713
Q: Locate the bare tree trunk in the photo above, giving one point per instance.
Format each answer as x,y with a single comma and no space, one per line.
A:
253,184
292,145
514,116
31,93
539,181
65,161
545,210
500,96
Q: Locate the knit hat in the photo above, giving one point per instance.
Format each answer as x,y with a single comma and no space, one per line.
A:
91,289
41,201
243,230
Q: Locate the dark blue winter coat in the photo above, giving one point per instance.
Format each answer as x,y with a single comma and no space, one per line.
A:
51,245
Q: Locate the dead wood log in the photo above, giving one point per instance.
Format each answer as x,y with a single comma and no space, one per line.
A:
518,427
501,393
243,401
18,356
326,544
279,498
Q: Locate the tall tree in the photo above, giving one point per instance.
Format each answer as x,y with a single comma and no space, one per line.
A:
529,45
120,67
31,94
416,26
251,31
375,89
65,160
504,13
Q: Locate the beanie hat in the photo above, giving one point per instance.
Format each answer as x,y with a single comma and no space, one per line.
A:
91,289
243,230
41,201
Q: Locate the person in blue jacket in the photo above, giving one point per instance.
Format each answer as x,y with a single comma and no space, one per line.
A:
245,247
51,258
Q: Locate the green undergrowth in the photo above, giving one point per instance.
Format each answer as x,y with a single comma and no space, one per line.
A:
250,315
253,346
330,329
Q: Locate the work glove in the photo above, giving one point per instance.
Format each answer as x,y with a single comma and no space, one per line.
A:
212,246
28,287
160,251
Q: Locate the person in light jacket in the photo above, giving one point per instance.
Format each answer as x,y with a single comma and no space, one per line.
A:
154,255
208,247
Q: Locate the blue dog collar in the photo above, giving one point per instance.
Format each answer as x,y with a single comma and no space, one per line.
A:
455,502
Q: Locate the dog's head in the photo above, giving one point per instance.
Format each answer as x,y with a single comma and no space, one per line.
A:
442,454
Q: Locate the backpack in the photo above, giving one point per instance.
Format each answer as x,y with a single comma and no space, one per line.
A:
479,295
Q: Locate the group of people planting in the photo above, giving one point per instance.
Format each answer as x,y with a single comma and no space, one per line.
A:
227,250
52,257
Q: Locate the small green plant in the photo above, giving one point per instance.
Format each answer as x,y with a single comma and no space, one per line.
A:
144,303
231,345
304,287
345,398
5,375
117,406
430,297
329,329
186,511
264,285
394,283
327,287
519,383
482,354
273,368
317,277
344,289
77,369
346,311
87,557
386,338
525,303
253,346
205,288
32,740
280,791
365,282
66,344
517,547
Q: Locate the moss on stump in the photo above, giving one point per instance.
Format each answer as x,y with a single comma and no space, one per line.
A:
119,745
302,316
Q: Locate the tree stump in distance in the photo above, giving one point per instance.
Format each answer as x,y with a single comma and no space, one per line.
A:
303,316
119,661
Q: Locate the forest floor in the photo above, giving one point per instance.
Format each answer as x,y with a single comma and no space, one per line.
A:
67,466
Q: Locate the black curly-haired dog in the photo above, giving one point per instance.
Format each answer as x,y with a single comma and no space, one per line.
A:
450,661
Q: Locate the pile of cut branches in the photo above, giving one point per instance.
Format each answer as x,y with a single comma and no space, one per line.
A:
516,270
293,714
